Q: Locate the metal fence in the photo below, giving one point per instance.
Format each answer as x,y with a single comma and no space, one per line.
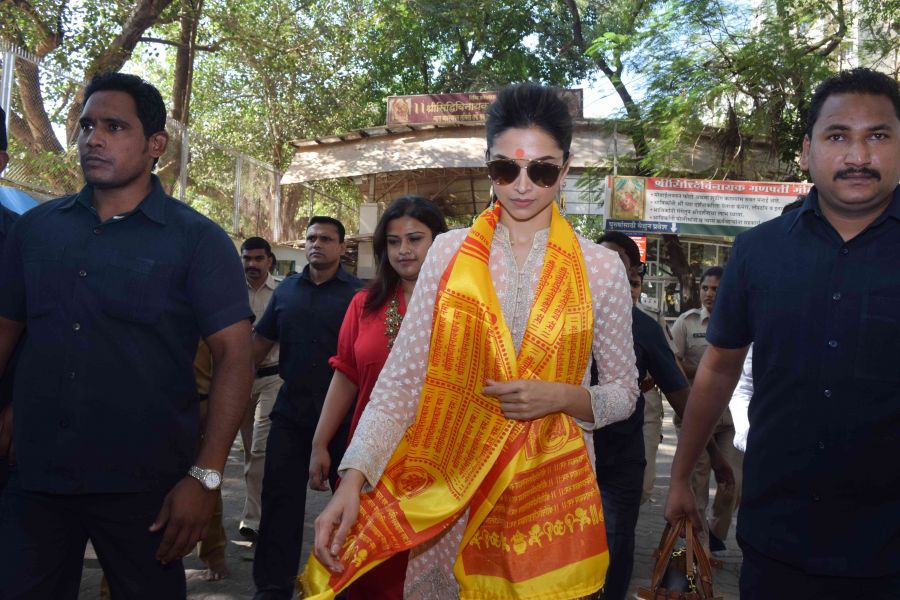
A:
240,193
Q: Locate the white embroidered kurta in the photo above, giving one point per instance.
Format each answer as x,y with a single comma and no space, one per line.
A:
392,407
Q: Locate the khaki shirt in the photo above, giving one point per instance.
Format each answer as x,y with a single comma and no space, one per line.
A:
259,299
203,369
689,337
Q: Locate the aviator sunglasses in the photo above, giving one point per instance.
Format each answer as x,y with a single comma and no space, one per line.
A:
504,171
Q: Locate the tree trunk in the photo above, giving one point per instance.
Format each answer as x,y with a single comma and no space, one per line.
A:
182,85
184,62
42,138
292,198
635,125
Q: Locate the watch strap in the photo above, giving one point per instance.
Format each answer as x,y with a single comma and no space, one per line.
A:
200,474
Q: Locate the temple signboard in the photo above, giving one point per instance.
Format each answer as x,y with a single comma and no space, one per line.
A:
695,206
463,107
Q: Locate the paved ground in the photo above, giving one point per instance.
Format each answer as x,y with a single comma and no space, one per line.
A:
240,556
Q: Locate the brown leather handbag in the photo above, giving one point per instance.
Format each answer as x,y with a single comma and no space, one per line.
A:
683,574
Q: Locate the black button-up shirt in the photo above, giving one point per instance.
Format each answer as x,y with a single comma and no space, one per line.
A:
821,480
653,355
305,319
104,396
7,218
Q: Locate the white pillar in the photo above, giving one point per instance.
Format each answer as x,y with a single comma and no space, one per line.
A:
368,220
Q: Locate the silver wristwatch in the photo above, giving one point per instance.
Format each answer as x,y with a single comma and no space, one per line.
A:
208,478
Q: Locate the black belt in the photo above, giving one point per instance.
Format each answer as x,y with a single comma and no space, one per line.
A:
267,371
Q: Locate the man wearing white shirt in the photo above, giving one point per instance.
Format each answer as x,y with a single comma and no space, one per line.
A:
740,403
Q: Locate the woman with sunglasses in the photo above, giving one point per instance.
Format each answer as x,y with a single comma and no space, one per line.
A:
474,452
401,241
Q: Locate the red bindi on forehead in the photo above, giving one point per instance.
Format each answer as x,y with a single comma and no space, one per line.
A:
519,153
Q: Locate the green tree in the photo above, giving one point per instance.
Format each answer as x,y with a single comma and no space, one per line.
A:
749,76
723,69
64,39
720,70
431,46
284,70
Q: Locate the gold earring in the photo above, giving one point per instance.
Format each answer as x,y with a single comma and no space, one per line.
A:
562,203
493,198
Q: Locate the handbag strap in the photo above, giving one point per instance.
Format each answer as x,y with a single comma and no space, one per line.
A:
704,568
697,562
696,554
664,553
690,543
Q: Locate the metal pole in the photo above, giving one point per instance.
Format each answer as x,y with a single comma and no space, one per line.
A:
6,83
276,226
236,220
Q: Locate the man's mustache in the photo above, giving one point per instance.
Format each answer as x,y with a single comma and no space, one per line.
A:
844,173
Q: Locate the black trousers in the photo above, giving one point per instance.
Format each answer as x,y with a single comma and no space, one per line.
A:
621,482
763,578
285,480
43,538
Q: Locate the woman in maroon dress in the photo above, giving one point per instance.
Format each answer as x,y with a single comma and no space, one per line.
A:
401,240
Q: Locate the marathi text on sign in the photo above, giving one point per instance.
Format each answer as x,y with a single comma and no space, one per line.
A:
464,107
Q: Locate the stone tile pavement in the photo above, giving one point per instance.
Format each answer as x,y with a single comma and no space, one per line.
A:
239,586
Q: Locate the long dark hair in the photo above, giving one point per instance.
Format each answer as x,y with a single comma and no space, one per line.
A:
386,278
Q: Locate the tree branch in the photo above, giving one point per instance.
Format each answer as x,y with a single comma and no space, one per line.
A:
50,39
60,28
633,17
210,48
19,130
34,112
576,24
635,122
117,53
826,45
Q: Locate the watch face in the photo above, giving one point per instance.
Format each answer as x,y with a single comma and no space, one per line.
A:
212,480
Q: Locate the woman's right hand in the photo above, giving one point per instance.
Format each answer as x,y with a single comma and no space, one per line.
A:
319,465
334,523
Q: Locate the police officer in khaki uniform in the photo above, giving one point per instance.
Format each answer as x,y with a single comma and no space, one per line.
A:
258,260
689,339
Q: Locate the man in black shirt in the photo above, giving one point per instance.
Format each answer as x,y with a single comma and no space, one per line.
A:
817,292
117,284
304,316
7,218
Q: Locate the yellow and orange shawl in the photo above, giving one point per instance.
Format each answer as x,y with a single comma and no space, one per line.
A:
535,526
